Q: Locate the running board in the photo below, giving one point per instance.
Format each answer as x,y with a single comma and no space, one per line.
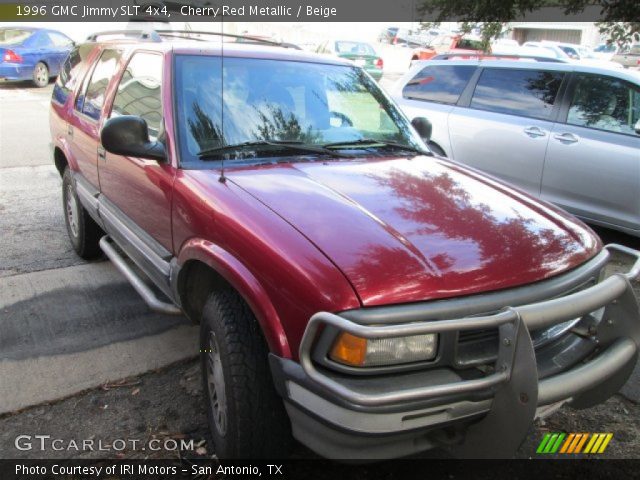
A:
145,292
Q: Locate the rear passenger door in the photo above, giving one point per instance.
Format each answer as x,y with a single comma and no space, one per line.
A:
505,125
432,93
84,123
593,161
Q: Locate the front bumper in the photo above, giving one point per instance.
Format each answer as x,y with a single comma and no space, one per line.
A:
394,413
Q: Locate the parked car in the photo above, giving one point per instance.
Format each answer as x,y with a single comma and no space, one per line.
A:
394,36
605,51
351,288
360,53
565,132
555,50
580,54
628,57
448,44
34,54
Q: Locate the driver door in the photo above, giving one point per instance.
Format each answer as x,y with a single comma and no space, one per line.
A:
136,192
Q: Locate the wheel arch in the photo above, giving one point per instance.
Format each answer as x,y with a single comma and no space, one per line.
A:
204,267
62,158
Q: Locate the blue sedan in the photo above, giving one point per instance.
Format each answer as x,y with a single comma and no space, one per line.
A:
34,54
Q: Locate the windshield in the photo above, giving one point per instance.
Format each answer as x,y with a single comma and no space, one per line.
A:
13,36
233,101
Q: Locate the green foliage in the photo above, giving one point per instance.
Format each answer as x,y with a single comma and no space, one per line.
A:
491,16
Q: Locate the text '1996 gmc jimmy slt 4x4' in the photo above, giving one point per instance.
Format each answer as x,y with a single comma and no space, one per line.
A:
354,291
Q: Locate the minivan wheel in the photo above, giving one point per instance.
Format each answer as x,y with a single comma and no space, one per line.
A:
83,231
41,75
246,416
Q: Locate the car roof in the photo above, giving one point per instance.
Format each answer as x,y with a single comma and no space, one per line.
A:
224,49
629,75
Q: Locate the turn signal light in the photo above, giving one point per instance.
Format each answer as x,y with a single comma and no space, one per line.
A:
354,351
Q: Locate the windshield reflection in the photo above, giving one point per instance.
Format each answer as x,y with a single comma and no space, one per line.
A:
230,101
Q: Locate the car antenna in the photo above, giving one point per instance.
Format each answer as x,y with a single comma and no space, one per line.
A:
222,178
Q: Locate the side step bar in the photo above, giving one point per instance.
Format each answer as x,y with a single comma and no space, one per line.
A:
145,292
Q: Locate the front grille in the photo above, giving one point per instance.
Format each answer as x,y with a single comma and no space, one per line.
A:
475,347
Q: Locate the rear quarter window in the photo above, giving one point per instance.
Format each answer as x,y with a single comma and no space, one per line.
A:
439,83
91,101
526,93
70,72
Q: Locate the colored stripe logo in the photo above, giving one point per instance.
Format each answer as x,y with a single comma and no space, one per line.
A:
573,443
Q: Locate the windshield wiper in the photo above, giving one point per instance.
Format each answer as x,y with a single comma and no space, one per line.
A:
213,153
372,143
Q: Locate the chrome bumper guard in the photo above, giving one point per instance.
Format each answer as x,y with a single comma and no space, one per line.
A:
514,381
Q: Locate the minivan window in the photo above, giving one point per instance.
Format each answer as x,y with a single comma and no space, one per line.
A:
103,72
139,90
527,93
605,103
439,83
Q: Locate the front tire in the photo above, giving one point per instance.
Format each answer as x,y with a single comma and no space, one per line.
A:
246,416
83,231
40,75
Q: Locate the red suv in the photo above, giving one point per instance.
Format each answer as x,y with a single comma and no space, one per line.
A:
353,290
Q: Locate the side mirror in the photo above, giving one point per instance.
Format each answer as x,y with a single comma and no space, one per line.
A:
636,127
129,135
423,127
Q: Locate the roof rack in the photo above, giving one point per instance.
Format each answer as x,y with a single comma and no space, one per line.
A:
146,35
157,36
187,35
496,56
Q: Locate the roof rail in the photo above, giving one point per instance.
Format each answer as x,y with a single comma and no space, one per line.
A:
146,35
495,56
151,35
187,35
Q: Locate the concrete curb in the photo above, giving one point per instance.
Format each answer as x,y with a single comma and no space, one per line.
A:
38,380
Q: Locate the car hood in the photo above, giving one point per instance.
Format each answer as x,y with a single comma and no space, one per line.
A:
410,229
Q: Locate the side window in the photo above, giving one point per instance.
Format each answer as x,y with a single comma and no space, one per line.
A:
439,83
93,98
59,40
139,91
527,93
69,73
605,103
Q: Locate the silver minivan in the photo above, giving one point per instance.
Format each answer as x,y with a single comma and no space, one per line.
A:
566,133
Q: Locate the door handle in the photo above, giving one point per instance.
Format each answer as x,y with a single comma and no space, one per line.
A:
102,153
566,137
534,132
70,130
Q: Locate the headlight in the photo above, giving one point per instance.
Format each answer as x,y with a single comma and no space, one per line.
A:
361,352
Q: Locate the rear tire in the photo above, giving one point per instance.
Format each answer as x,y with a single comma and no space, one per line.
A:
246,416
83,231
40,75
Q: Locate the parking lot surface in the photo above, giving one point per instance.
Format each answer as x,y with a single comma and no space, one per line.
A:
71,329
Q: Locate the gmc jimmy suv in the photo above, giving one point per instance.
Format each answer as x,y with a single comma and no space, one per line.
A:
354,291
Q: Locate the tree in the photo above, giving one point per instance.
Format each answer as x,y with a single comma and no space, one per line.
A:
491,16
